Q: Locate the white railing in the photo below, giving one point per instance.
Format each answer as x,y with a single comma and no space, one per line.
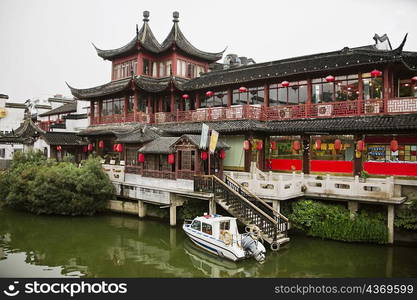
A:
285,186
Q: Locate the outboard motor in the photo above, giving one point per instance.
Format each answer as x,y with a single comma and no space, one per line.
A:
251,246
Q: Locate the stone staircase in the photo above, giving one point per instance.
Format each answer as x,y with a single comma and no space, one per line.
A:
246,207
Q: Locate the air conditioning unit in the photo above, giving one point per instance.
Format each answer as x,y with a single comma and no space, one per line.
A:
284,113
324,110
372,107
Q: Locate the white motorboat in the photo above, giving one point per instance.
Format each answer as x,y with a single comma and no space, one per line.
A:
219,235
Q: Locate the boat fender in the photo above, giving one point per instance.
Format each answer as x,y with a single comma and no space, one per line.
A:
275,246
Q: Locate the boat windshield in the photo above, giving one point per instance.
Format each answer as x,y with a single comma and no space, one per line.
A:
224,225
206,228
196,225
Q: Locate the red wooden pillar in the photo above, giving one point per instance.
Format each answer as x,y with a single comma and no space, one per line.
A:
197,101
172,102
92,112
100,110
149,104
229,97
266,95
360,95
126,106
387,89
135,105
160,104
309,98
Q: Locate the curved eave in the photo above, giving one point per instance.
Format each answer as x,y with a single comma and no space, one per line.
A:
176,38
156,85
114,53
101,91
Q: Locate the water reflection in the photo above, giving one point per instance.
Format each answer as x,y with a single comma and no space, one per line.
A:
123,246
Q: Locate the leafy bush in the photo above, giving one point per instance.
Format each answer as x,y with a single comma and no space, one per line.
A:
43,186
334,222
406,217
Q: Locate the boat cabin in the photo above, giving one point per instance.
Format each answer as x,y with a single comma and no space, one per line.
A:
215,225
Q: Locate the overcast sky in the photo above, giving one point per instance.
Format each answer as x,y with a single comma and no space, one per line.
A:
44,43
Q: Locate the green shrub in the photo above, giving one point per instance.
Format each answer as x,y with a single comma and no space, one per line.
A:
406,217
44,186
333,222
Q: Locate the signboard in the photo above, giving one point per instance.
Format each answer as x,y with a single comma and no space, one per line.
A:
204,136
2,112
213,140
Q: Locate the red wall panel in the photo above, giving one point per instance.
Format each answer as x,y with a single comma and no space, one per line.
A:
286,164
332,166
387,168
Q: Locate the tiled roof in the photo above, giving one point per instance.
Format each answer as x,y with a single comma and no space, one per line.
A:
140,135
144,38
109,129
63,109
63,139
161,145
109,88
195,139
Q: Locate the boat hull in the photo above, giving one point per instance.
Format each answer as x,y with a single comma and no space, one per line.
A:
214,246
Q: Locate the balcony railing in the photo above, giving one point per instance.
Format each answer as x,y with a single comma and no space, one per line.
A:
158,174
272,113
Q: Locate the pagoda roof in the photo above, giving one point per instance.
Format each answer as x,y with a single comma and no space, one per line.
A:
315,63
145,83
63,109
145,39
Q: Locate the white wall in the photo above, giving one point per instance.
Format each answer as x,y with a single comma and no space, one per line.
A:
40,144
10,149
14,116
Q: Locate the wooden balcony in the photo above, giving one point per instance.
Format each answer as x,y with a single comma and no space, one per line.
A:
273,113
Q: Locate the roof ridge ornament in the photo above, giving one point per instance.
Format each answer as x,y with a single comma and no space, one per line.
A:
176,16
146,15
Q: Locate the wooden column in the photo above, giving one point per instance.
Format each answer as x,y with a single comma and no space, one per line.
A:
160,104
100,110
135,104
229,97
357,162
197,101
248,153
172,102
306,153
387,89
126,106
92,108
149,104
309,98
360,95
266,95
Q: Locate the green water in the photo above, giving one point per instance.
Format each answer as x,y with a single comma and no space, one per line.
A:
123,246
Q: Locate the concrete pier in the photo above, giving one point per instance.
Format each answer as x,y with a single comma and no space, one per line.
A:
141,209
212,207
390,224
353,207
173,215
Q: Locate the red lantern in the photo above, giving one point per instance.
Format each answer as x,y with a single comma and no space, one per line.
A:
185,96
101,144
318,144
119,148
222,154
59,148
209,94
296,145
85,149
337,145
414,79
141,158
285,83
273,145
90,147
242,89
259,145
360,146
246,145
376,73
394,145
204,155
330,78
171,158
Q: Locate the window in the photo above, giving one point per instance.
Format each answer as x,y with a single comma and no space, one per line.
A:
406,88
206,228
372,87
196,225
323,91
145,70
130,104
2,153
295,93
219,99
256,95
327,151
161,69
225,225
125,69
347,88
284,148
154,69
131,156
382,152
168,69
239,98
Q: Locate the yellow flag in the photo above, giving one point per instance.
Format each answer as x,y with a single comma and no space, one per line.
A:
213,140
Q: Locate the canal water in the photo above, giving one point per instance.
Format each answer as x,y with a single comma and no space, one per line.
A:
122,246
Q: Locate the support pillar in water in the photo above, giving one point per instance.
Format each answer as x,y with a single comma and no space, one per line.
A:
353,208
141,209
212,207
390,223
173,215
